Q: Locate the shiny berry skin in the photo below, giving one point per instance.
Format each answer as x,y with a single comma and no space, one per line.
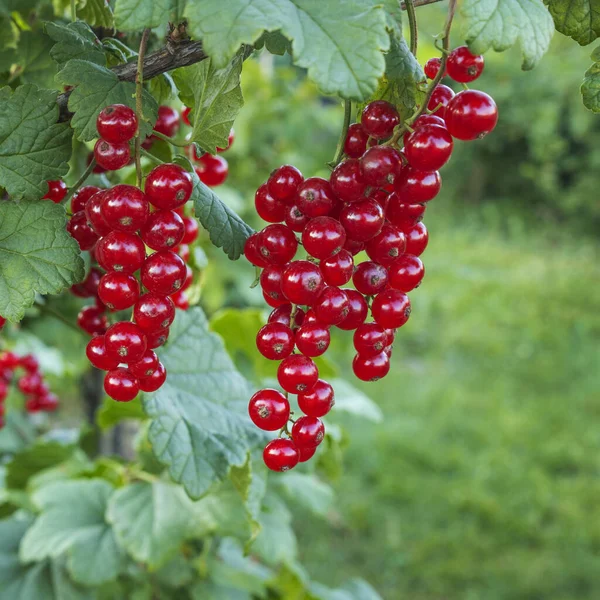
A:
357,312
379,119
284,182
356,140
118,291
315,197
406,273
125,208
338,269
283,314
270,281
391,309
192,229
370,339
295,219
181,300
121,385
81,197
332,307
381,165
432,67
97,355
281,455
471,115
319,401
277,244
80,231
302,282
370,278
269,209
353,247
8,360
269,409
163,273
252,251
116,123
347,181
145,366
274,302
212,170
297,374
417,186
323,237
185,115
167,122
387,245
230,140
125,342
275,341
168,186
157,338
429,148
57,190
313,339
463,66
362,220
164,230
439,99
152,312
371,368
155,381
308,432
306,453
189,278
93,212
92,320
417,238
111,157
120,251
425,120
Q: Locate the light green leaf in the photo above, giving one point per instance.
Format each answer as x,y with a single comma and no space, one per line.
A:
590,88
133,15
36,255
215,97
393,15
200,426
579,19
350,399
33,57
308,491
111,412
252,488
342,50
500,24
72,521
18,432
95,88
75,40
96,12
276,543
34,148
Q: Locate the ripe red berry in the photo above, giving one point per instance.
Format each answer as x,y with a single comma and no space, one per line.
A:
370,278
463,66
381,165
371,368
125,342
97,355
379,119
406,273
319,401
145,366
252,251
370,339
125,208
270,281
391,309
424,120
306,453
323,237
283,315
153,312
416,239
356,141
357,312
192,230
230,140
163,273
181,300
362,220
57,190
353,247
212,170
332,306
269,209
157,338
387,245
167,122
302,282
429,148
297,373
274,301
315,197
153,382
313,339
418,186
118,291
116,123
92,320
93,212
439,99
281,455
277,244
308,432
168,186
120,251
471,115
185,115
80,231
164,230
121,385
81,197
295,219
30,363
269,409
275,341
338,269
402,214
347,181
432,67
283,183
30,383
111,157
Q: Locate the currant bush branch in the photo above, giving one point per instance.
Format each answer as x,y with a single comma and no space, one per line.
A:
139,92
409,6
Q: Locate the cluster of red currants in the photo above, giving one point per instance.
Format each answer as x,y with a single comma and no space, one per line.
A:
374,203
38,397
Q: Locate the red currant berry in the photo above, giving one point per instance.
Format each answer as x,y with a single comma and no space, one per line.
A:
429,148
181,300
319,401
379,119
357,312
184,251
274,302
112,157
277,244
371,368
125,342
356,141
283,315
192,229
387,245
270,281
353,247
121,385
406,273
306,453
163,273
269,209
424,120
153,313
338,269
362,220
275,341
370,339
370,278
416,239
332,307
281,455
93,212
48,402
269,409
120,251
463,66
308,432
96,354
230,140
82,196
145,366
80,231
323,237
315,198
154,381
252,251
295,219
381,165
30,383
57,190
391,309
432,67
116,123
168,186
185,115
302,282
212,170
347,181
167,122
30,363
164,230
313,339
92,320
439,100
297,374
471,115
118,291
157,338
416,186
284,182
125,208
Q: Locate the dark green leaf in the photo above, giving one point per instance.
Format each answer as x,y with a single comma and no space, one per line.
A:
163,88
590,88
579,19
75,40
275,42
33,57
133,15
96,12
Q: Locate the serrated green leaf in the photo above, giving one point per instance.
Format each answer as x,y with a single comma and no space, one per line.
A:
590,88
34,148
393,15
33,57
96,12
579,19
75,40
96,88
36,255
72,522
111,412
133,15
199,427
500,24
275,42
215,97
342,50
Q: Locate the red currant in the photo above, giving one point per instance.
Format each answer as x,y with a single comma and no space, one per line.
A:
270,281
439,99
81,197
155,381
338,269
252,251
387,245
30,363
432,67
192,229
96,354
185,115
230,139
429,148
153,313
125,342
157,338
370,278
283,315
362,220
371,368
302,282
356,141
80,231
295,219
463,66
418,186
416,239
391,309
323,237
30,383
57,190
167,122
125,208
269,209
120,251
112,157
306,453
347,181
313,339
471,115
308,432
118,291
283,183
145,366
379,119
212,170
315,197
116,123
121,385
275,341
381,165
164,229
273,301
406,273
277,244
281,455
93,212
297,374
163,273
168,186
319,401
357,312
92,320
181,300
332,307
370,339
353,247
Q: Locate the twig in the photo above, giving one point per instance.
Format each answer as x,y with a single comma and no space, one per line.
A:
139,92
409,6
79,182
339,152
419,3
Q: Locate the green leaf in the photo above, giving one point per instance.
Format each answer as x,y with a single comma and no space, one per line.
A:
276,542
36,255
199,427
163,89
133,15
252,488
342,50
96,12
500,24
75,40
22,6
579,19
18,432
34,148
215,97
393,15
33,57
308,491
111,412
350,399
72,521
590,88
275,42
95,88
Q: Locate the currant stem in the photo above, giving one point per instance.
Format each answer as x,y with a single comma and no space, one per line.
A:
169,140
139,89
339,152
412,23
79,182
